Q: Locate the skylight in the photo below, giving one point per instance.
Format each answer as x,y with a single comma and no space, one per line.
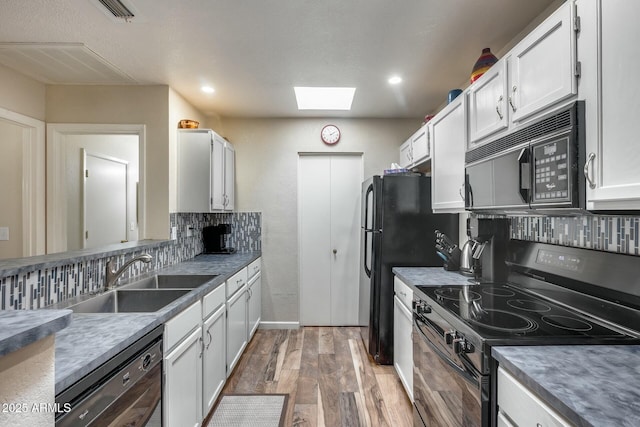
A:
324,98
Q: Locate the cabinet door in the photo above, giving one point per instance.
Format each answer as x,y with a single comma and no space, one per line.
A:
609,87
236,327
488,112
420,145
229,176
447,159
542,66
217,173
403,345
182,383
406,156
214,358
255,304
193,170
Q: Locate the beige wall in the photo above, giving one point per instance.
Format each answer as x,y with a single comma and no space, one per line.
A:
11,188
21,94
179,109
147,105
27,378
266,180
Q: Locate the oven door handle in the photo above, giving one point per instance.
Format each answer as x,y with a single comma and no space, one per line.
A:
471,377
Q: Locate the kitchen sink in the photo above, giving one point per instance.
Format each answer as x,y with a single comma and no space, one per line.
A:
129,301
171,281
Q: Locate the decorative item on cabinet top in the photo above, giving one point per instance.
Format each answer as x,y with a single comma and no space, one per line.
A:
482,65
188,124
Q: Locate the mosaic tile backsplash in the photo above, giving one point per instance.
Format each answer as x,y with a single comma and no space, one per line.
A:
44,287
604,233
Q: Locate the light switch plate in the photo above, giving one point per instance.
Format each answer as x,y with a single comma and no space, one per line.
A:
4,233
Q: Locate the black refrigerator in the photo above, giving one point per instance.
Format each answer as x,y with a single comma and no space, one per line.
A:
397,230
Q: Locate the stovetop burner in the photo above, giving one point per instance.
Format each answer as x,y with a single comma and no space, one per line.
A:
502,310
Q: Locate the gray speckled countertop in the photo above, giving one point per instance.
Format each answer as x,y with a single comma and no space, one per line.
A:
590,385
92,339
429,276
21,328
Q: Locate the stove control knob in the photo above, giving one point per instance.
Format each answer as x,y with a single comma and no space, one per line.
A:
423,308
449,336
460,345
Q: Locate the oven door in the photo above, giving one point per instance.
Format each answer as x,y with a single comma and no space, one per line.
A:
446,392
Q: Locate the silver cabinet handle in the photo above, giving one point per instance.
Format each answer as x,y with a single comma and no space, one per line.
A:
210,340
586,170
498,109
201,347
513,92
335,251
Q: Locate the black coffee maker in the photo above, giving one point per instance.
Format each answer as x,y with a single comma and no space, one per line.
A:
213,237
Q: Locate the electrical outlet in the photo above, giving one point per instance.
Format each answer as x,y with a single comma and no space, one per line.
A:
4,233
190,231
174,233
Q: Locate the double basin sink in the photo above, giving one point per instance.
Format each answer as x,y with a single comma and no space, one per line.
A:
142,296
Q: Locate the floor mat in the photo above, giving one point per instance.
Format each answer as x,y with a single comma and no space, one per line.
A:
250,410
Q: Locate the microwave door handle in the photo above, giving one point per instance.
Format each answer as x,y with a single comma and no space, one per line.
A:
524,175
468,200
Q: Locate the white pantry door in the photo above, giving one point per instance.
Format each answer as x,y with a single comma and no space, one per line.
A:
105,200
329,188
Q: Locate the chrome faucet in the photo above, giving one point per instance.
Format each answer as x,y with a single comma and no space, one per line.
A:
112,275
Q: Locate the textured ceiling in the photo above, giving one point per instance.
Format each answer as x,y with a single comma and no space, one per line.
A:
254,52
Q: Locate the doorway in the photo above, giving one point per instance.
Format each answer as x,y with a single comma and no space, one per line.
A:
329,238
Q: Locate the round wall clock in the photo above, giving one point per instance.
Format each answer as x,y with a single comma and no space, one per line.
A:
330,134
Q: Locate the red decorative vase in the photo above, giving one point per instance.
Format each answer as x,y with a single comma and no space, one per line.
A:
486,60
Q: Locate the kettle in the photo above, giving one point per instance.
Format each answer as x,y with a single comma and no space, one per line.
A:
467,260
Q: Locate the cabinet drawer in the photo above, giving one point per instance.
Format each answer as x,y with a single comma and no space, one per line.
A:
178,327
213,300
254,268
403,292
236,281
522,406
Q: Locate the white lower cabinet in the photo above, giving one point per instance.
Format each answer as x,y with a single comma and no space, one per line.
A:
214,358
519,406
254,303
402,335
182,379
236,327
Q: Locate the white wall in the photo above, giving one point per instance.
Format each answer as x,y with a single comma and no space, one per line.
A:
266,180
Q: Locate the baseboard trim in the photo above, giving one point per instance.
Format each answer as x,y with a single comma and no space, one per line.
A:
279,325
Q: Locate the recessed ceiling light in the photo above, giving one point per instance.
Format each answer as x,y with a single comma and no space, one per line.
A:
394,80
324,98
207,89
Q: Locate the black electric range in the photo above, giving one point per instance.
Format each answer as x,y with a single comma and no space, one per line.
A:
553,295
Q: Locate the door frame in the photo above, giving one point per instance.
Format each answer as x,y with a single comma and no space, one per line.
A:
33,181
301,154
56,169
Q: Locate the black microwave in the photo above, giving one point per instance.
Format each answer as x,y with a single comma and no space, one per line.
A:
536,167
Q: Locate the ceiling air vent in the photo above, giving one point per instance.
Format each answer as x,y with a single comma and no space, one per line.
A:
117,10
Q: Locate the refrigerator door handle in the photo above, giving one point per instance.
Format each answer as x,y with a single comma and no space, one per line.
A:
369,191
366,252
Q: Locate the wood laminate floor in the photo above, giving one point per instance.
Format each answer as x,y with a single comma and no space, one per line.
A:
328,374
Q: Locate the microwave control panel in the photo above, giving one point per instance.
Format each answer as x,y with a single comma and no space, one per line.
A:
551,170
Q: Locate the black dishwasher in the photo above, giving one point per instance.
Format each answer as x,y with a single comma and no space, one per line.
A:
125,391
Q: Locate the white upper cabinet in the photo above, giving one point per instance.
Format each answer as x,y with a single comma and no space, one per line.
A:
538,75
449,136
222,174
488,109
609,86
542,67
194,147
415,150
